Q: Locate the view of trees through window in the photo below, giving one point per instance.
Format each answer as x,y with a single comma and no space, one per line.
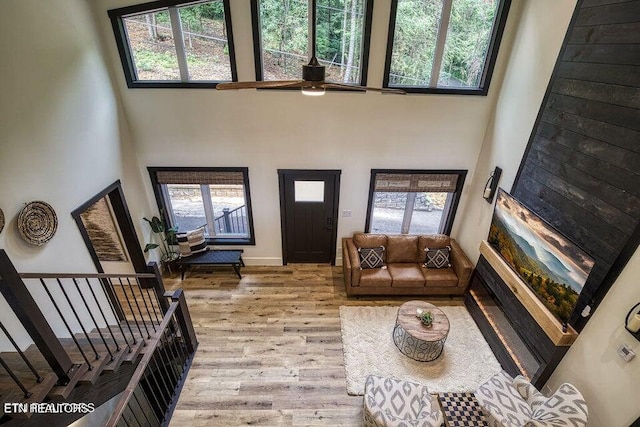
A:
285,35
426,55
152,41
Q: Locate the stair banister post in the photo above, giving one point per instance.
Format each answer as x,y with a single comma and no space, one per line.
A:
158,285
24,306
184,320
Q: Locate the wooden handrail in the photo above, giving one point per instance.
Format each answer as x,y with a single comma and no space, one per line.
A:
85,276
142,366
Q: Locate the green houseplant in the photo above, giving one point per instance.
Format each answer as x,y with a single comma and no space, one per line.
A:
165,235
426,318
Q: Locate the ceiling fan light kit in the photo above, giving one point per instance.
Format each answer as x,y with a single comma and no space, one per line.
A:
313,74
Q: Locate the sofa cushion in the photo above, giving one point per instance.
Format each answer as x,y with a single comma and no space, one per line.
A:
371,257
365,240
375,277
440,277
438,258
402,248
432,241
406,275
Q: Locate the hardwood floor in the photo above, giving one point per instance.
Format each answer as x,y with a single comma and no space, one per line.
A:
270,348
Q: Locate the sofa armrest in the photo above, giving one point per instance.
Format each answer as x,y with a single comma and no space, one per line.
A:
354,259
346,263
461,264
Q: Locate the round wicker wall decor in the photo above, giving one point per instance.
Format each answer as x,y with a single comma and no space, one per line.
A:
1,220
37,223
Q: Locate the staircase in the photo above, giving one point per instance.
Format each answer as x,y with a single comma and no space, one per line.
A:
93,336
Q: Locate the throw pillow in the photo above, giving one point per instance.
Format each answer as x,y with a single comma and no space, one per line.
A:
438,258
371,257
191,242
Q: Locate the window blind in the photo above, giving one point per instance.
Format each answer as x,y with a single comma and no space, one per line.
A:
200,177
404,182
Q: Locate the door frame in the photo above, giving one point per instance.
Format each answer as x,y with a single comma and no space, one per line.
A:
336,199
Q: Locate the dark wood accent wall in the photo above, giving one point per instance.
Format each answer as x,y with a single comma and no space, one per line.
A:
581,169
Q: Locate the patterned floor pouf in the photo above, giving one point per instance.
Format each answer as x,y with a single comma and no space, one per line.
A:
461,410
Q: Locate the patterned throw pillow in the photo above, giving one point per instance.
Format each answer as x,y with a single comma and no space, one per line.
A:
438,258
191,242
371,257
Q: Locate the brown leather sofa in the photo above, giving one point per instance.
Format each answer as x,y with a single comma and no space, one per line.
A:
405,273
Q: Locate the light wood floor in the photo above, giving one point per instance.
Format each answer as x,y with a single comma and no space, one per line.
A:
270,347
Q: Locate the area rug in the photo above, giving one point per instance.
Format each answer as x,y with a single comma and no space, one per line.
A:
465,364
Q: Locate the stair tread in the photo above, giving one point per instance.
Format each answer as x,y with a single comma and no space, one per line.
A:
97,366
62,392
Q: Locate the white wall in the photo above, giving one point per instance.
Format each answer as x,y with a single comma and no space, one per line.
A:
610,386
539,36
63,138
268,130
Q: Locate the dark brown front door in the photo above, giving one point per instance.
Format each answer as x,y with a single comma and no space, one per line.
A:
309,214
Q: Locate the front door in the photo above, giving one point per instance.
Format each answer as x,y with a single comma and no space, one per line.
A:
309,215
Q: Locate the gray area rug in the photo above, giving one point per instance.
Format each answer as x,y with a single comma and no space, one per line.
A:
466,362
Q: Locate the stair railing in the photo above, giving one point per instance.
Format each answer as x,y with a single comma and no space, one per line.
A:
92,320
152,392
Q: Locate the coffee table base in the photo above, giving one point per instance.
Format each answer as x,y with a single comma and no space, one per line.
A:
422,351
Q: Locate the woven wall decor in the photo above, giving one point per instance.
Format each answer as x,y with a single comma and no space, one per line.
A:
1,220
37,223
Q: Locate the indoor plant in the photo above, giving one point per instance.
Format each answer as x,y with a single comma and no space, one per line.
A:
165,235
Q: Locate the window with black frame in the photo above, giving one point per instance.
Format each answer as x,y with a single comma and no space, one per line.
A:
175,44
413,201
444,46
215,198
281,39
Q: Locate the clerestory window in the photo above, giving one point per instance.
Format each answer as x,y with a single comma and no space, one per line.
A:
444,46
413,201
216,198
175,44
281,38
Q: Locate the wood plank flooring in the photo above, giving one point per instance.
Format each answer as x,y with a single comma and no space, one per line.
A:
270,347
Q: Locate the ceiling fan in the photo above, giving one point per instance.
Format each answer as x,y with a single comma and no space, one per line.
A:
313,74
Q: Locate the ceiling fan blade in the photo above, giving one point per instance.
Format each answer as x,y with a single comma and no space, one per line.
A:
363,88
258,85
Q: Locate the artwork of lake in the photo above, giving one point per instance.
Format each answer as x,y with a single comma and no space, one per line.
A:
553,266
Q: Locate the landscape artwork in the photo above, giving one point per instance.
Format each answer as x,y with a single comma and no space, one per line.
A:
553,267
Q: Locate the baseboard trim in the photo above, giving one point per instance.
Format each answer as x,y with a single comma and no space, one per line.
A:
262,261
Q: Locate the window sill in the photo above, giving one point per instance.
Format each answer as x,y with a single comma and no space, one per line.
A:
231,241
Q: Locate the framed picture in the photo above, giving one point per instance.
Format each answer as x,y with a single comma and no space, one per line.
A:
101,227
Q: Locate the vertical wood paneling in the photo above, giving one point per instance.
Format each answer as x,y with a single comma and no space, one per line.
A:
581,170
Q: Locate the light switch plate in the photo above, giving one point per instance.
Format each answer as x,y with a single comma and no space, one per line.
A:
346,214
625,352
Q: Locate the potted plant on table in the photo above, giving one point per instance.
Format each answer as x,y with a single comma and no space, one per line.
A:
165,235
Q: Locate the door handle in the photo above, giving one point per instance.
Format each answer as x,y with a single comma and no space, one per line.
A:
329,223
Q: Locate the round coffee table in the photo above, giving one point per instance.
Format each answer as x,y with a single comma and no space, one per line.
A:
415,340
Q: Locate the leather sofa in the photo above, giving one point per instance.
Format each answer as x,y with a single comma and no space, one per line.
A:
404,273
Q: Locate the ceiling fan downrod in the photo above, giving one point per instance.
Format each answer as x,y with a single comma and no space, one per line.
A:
313,71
